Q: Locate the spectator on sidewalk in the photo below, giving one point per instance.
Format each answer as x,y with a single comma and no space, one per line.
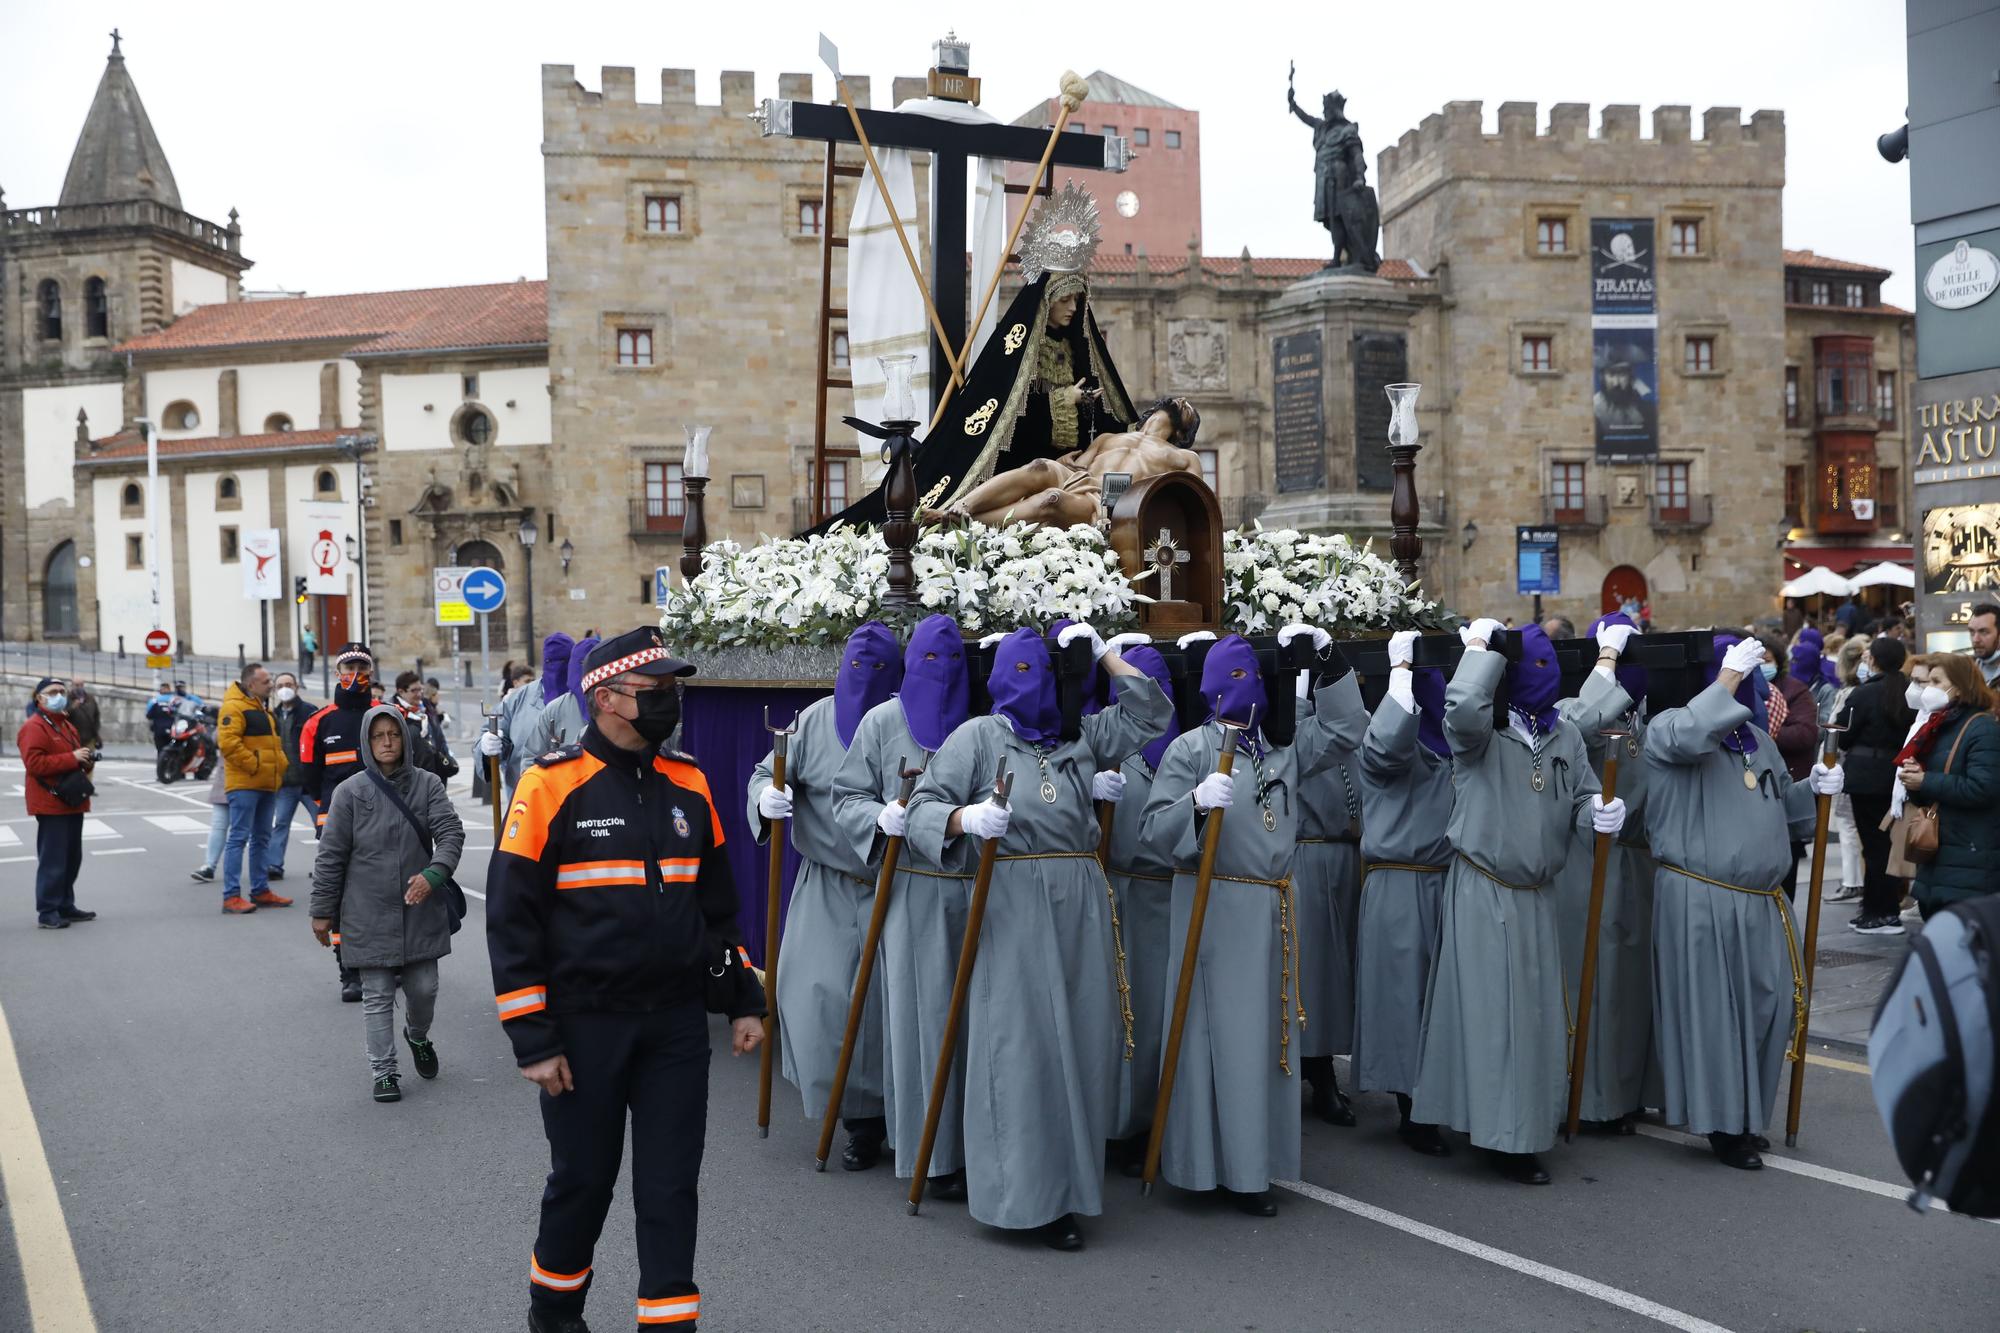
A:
218,826
1984,626
1852,664
308,645
253,765
427,749
1877,717
84,717
291,711
160,712
57,791
1952,763
381,878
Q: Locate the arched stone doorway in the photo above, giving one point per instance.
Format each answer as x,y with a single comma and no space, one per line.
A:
1620,585
59,618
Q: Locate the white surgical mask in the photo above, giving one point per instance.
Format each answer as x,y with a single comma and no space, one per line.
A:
1926,698
1769,669
56,703
1863,672
286,694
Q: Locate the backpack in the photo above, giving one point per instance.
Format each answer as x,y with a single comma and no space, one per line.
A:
1931,1052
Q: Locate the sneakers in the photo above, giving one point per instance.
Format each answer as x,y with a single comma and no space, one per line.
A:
386,1089
238,906
1876,925
1845,893
276,873
350,991
205,875
423,1055
269,899
57,924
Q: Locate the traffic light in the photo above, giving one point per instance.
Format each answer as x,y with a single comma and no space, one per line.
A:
299,589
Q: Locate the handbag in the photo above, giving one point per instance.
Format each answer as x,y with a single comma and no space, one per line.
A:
72,788
1920,830
454,896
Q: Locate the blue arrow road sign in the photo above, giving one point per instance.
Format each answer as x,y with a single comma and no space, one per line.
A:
662,584
484,590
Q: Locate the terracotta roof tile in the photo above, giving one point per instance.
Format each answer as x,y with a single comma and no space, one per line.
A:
1894,310
494,315
1807,259
129,444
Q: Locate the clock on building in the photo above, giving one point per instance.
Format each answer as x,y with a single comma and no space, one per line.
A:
1128,204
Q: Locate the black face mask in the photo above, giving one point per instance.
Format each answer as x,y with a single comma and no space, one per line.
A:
659,713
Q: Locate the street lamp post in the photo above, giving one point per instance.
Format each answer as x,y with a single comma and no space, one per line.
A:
527,535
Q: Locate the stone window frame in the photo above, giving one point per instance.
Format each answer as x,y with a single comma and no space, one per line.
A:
230,547
680,187
653,322
1717,332
319,492
1565,211
228,493
181,414
795,196
465,413
96,289
279,423
135,550
1700,213
128,507
1523,329
43,290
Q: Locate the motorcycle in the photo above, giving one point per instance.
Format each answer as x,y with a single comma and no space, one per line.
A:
190,748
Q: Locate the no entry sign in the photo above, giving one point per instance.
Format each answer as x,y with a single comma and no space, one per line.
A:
157,643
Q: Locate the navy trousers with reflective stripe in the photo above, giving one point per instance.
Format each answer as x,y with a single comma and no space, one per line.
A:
656,1067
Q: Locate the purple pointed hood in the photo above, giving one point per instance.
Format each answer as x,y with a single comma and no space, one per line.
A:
1743,738
555,664
1023,686
1236,698
573,682
1427,686
1147,659
1631,678
870,670
1096,688
1535,682
937,689
1809,657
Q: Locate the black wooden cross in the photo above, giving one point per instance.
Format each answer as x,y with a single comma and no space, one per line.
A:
949,146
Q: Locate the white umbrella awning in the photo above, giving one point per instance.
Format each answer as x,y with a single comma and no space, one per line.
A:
1819,581
1888,572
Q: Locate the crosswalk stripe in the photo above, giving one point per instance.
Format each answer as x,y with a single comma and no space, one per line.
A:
9,838
178,823
97,828
1813,1171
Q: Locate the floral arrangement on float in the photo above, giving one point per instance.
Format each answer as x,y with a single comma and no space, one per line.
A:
815,590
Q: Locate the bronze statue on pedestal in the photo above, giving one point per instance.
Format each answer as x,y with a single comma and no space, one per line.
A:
1343,200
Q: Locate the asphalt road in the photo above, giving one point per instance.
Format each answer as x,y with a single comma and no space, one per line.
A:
202,1101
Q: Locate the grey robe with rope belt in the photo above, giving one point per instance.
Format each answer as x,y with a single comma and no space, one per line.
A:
1042,1029
1493,1062
1406,808
1327,877
1727,984
1234,1119
824,926
921,934
1142,881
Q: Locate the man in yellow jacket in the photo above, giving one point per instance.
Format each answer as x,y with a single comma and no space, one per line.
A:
253,768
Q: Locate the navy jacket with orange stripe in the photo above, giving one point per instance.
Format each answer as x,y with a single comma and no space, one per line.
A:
330,745
610,891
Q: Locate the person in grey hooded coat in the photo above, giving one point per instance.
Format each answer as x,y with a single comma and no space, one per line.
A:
375,876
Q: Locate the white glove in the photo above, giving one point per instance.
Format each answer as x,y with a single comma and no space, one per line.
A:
1071,633
1198,636
1216,792
985,821
893,820
1607,818
1742,658
990,640
1402,687
1402,648
491,744
1612,638
1129,639
1827,781
1108,785
1484,629
775,803
1321,639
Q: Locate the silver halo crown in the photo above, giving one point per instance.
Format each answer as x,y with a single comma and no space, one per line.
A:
1063,236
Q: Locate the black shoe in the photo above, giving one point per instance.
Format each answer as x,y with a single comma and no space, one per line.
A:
78,914
948,1188
274,873
1759,1142
423,1055
1128,1155
386,1089
540,1322
1423,1138
1523,1168
1888,924
350,991
1330,1104
206,874
1737,1150
1063,1234
1261,1204
862,1151
57,924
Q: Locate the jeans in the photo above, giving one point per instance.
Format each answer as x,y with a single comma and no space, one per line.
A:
58,857
249,824
218,833
289,800
378,1007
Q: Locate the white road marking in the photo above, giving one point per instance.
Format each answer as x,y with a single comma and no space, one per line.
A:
157,790
15,860
470,893
57,1300
1624,1300
119,851
1866,1184
177,823
9,838
97,828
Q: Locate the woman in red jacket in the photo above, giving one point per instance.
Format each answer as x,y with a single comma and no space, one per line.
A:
52,753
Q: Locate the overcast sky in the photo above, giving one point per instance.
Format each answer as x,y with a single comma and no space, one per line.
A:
371,146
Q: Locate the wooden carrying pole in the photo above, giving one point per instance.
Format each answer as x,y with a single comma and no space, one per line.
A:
774,881
891,854
493,775
1600,862
1211,840
1809,947
975,917
1107,812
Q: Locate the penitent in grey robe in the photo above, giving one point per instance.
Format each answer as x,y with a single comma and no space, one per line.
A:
1725,964
1234,1118
1327,880
1493,1061
1620,1074
1042,1028
824,927
1142,883
922,930
1406,809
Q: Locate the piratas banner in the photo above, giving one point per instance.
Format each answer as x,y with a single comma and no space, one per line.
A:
1624,324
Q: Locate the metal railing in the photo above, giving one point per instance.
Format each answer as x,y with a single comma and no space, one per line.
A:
1594,511
206,676
1696,512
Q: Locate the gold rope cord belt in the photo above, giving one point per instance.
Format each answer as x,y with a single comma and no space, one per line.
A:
1117,931
1288,959
1411,866
1150,879
1518,888
1795,1049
